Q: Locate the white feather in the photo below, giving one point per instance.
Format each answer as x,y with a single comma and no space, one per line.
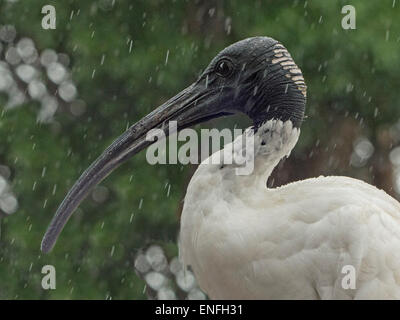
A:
245,241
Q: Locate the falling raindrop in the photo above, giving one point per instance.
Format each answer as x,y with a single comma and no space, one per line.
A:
228,25
54,190
112,251
211,12
44,171
130,48
166,58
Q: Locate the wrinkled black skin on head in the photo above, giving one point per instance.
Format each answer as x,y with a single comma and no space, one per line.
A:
256,87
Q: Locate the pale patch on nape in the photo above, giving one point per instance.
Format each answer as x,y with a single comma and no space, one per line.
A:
283,57
281,51
278,60
288,63
295,70
296,78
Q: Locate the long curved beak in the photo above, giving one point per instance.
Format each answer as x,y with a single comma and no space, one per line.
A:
194,104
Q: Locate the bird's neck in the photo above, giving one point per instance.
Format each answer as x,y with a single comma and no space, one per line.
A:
215,188
273,140
263,148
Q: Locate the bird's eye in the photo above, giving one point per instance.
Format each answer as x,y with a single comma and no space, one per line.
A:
224,68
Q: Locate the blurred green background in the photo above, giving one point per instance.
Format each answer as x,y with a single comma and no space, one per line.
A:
65,94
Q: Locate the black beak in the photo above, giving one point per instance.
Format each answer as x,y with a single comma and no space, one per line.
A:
195,104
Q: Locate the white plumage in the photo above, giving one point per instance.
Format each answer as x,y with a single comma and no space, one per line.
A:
246,241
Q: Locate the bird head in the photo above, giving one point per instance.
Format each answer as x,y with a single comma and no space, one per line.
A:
258,77
255,76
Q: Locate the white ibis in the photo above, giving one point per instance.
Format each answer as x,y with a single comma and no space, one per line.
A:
242,239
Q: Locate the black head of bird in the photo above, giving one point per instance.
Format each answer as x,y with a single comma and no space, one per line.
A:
255,76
